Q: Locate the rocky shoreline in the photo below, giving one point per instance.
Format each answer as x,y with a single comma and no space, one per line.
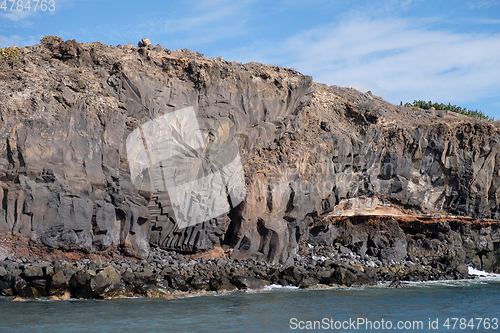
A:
169,274
342,251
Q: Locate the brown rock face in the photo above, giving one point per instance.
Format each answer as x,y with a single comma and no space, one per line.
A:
66,110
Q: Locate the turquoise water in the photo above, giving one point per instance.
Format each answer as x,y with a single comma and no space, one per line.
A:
271,311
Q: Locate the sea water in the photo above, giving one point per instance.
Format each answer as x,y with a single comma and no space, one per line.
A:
444,306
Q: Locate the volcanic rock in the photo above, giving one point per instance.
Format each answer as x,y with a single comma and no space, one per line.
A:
312,155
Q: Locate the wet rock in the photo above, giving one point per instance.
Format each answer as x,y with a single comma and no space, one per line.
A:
363,279
29,292
57,283
248,282
462,271
200,283
106,283
396,283
41,286
79,285
221,283
5,289
308,282
178,282
155,291
343,277
16,283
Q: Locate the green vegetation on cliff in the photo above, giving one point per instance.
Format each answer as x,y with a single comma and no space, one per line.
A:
9,52
448,107
47,38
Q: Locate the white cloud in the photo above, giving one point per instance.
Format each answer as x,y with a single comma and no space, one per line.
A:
17,40
478,4
394,58
485,21
208,21
14,15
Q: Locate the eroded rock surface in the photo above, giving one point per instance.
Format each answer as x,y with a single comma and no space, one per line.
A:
67,108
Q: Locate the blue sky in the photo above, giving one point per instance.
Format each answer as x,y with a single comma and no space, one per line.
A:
440,50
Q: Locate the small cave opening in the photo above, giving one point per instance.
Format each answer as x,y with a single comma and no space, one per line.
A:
231,236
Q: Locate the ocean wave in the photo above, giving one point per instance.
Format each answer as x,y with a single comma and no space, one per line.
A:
278,286
483,274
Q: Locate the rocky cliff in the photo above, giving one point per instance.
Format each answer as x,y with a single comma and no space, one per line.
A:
313,157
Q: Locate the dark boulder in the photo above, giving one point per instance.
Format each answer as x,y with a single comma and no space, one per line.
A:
343,277
308,282
41,286
200,283
221,283
178,282
291,275
16,283
106,283
248,282
5,288
57,283
79,285
29,292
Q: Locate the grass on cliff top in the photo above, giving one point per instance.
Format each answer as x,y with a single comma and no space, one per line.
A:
447,107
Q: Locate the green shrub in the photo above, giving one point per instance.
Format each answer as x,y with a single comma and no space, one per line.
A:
447,107
10,52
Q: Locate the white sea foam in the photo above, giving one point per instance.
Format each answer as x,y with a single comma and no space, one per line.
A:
278,286
482,274
445,283
479,277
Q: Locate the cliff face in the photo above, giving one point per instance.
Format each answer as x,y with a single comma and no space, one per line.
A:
306,149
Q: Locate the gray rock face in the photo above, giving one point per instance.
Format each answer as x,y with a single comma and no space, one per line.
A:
68,108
